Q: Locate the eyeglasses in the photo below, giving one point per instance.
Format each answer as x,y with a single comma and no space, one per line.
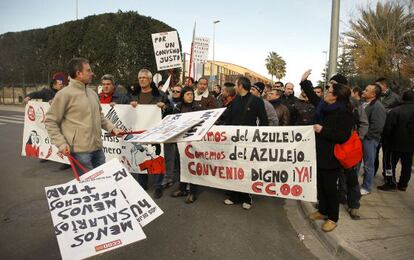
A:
176,91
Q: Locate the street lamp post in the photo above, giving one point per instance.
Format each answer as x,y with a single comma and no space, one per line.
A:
214,38
333,46
183,78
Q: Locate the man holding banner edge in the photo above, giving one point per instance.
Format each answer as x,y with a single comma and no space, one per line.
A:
245,109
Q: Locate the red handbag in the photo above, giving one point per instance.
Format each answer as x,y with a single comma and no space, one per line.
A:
349,153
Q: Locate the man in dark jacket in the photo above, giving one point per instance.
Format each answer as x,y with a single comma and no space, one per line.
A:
245,109
257,90
46,94
389,100
109,94
398,130
274,96
376,117
302,111
202,96
288,99
147,93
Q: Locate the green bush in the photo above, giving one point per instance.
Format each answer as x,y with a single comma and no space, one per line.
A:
116,43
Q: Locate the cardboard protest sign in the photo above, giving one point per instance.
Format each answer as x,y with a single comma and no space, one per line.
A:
91,217
200,49
169,127
197,132
143,207
127,118
270,161
167,50
36,141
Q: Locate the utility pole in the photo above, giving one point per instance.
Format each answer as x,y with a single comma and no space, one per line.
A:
333,45
214,40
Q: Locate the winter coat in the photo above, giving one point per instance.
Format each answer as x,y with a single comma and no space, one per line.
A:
46,94
376,118
397,128
390,99
157,96
206,100
336,128
289,102
271,113
245,110
75,118
282,112
302,112
360,118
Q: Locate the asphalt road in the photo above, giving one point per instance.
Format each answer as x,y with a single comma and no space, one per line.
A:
206,229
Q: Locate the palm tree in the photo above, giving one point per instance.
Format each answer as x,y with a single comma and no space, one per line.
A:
275,65
378,40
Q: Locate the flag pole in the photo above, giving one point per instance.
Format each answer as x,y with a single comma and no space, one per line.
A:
191,52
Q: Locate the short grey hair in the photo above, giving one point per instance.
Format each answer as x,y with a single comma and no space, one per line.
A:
108,77
145,71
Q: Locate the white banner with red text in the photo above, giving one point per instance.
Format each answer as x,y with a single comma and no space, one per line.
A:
271,161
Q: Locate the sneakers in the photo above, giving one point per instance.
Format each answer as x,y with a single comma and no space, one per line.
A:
317,216
190,198
387,187
364,192
354,214
246,206
228,202
329,225
157,193
178,193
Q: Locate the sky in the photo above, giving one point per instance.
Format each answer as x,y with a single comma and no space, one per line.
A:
298,30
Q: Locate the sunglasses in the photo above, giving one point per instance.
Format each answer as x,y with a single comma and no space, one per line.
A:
176,91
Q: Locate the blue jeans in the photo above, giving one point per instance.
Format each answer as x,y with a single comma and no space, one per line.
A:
370,151
89,160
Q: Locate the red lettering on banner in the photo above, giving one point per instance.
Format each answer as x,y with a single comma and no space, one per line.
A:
222,172
270,191
303,173
108,245
257,187
188,153
285,189
215,136
207,155
296,190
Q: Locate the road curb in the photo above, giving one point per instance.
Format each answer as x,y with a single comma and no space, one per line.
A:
339,248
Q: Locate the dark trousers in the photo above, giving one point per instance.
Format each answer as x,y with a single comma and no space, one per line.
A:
328,192
386,160
193,187
406,163
349,188
240,197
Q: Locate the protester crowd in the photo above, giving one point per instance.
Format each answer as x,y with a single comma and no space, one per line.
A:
382,119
